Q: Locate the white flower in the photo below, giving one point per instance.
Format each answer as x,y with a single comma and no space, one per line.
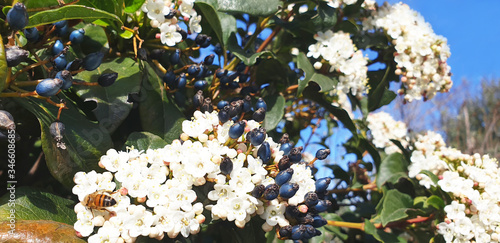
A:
169,35
107,233
275,214
138,221
156,10
194,24
455,210
113,160
86,183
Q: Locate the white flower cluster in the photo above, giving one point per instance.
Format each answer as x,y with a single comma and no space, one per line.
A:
473,183
420,54
383,128
157,10
155,193
340,53
338,3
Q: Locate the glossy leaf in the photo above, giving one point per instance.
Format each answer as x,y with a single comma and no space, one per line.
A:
275,112
380,234
326,17
111,6
210,17
391,169
3,66
246,57
144,141
69,12
33,204
112,105
39,231
431,175
435,201
34,4
85,141
325,83
159,115
394,206
133,5
94,40
252,7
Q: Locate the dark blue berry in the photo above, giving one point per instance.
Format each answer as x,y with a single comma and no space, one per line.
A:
60,62
220,73
193,70
203,71
181,81
200,39
61,24
226,166
223,115
207,42
322,154
57,47
218,49
142,54
209,59
183,33
233,85
198,99
156,54
76,36
49,87
258,191
322,184
180,98
63,31
247,103
322,205
31,34
285,231
107,79
221,104
264,152
243,78
288,190
17,17
298,232
235,108
169,79
284,163
271,192
171,14
200,84
310,231
284,176
261,104
286,148
319,221
311,199
237,129
66,77
258,136
207,105
92,61
295,154
175,57
74,65
259,115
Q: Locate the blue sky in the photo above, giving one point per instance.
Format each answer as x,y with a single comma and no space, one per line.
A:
473,33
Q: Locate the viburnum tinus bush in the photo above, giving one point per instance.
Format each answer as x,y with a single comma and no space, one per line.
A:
159,120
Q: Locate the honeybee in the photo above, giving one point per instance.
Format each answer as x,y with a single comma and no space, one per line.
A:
99,200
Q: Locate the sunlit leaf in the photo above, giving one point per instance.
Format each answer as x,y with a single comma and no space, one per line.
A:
252,7
144,141
381,235
133,5
112,105
69,12
391,169
246,57
275,112
394,206
325,83
3,66
33,204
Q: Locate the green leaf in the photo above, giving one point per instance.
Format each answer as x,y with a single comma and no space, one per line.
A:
391,169
228,26
275,112
252,7
3,66
325,83
112,105
38,231
32,204
111,6
334,229
433,176
69,12
435,201
94,40
247,57
381,235
326,17
210,16
340,173
32,4
144,141
380,95
85,141
133,5
366,145
394,206
159,115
